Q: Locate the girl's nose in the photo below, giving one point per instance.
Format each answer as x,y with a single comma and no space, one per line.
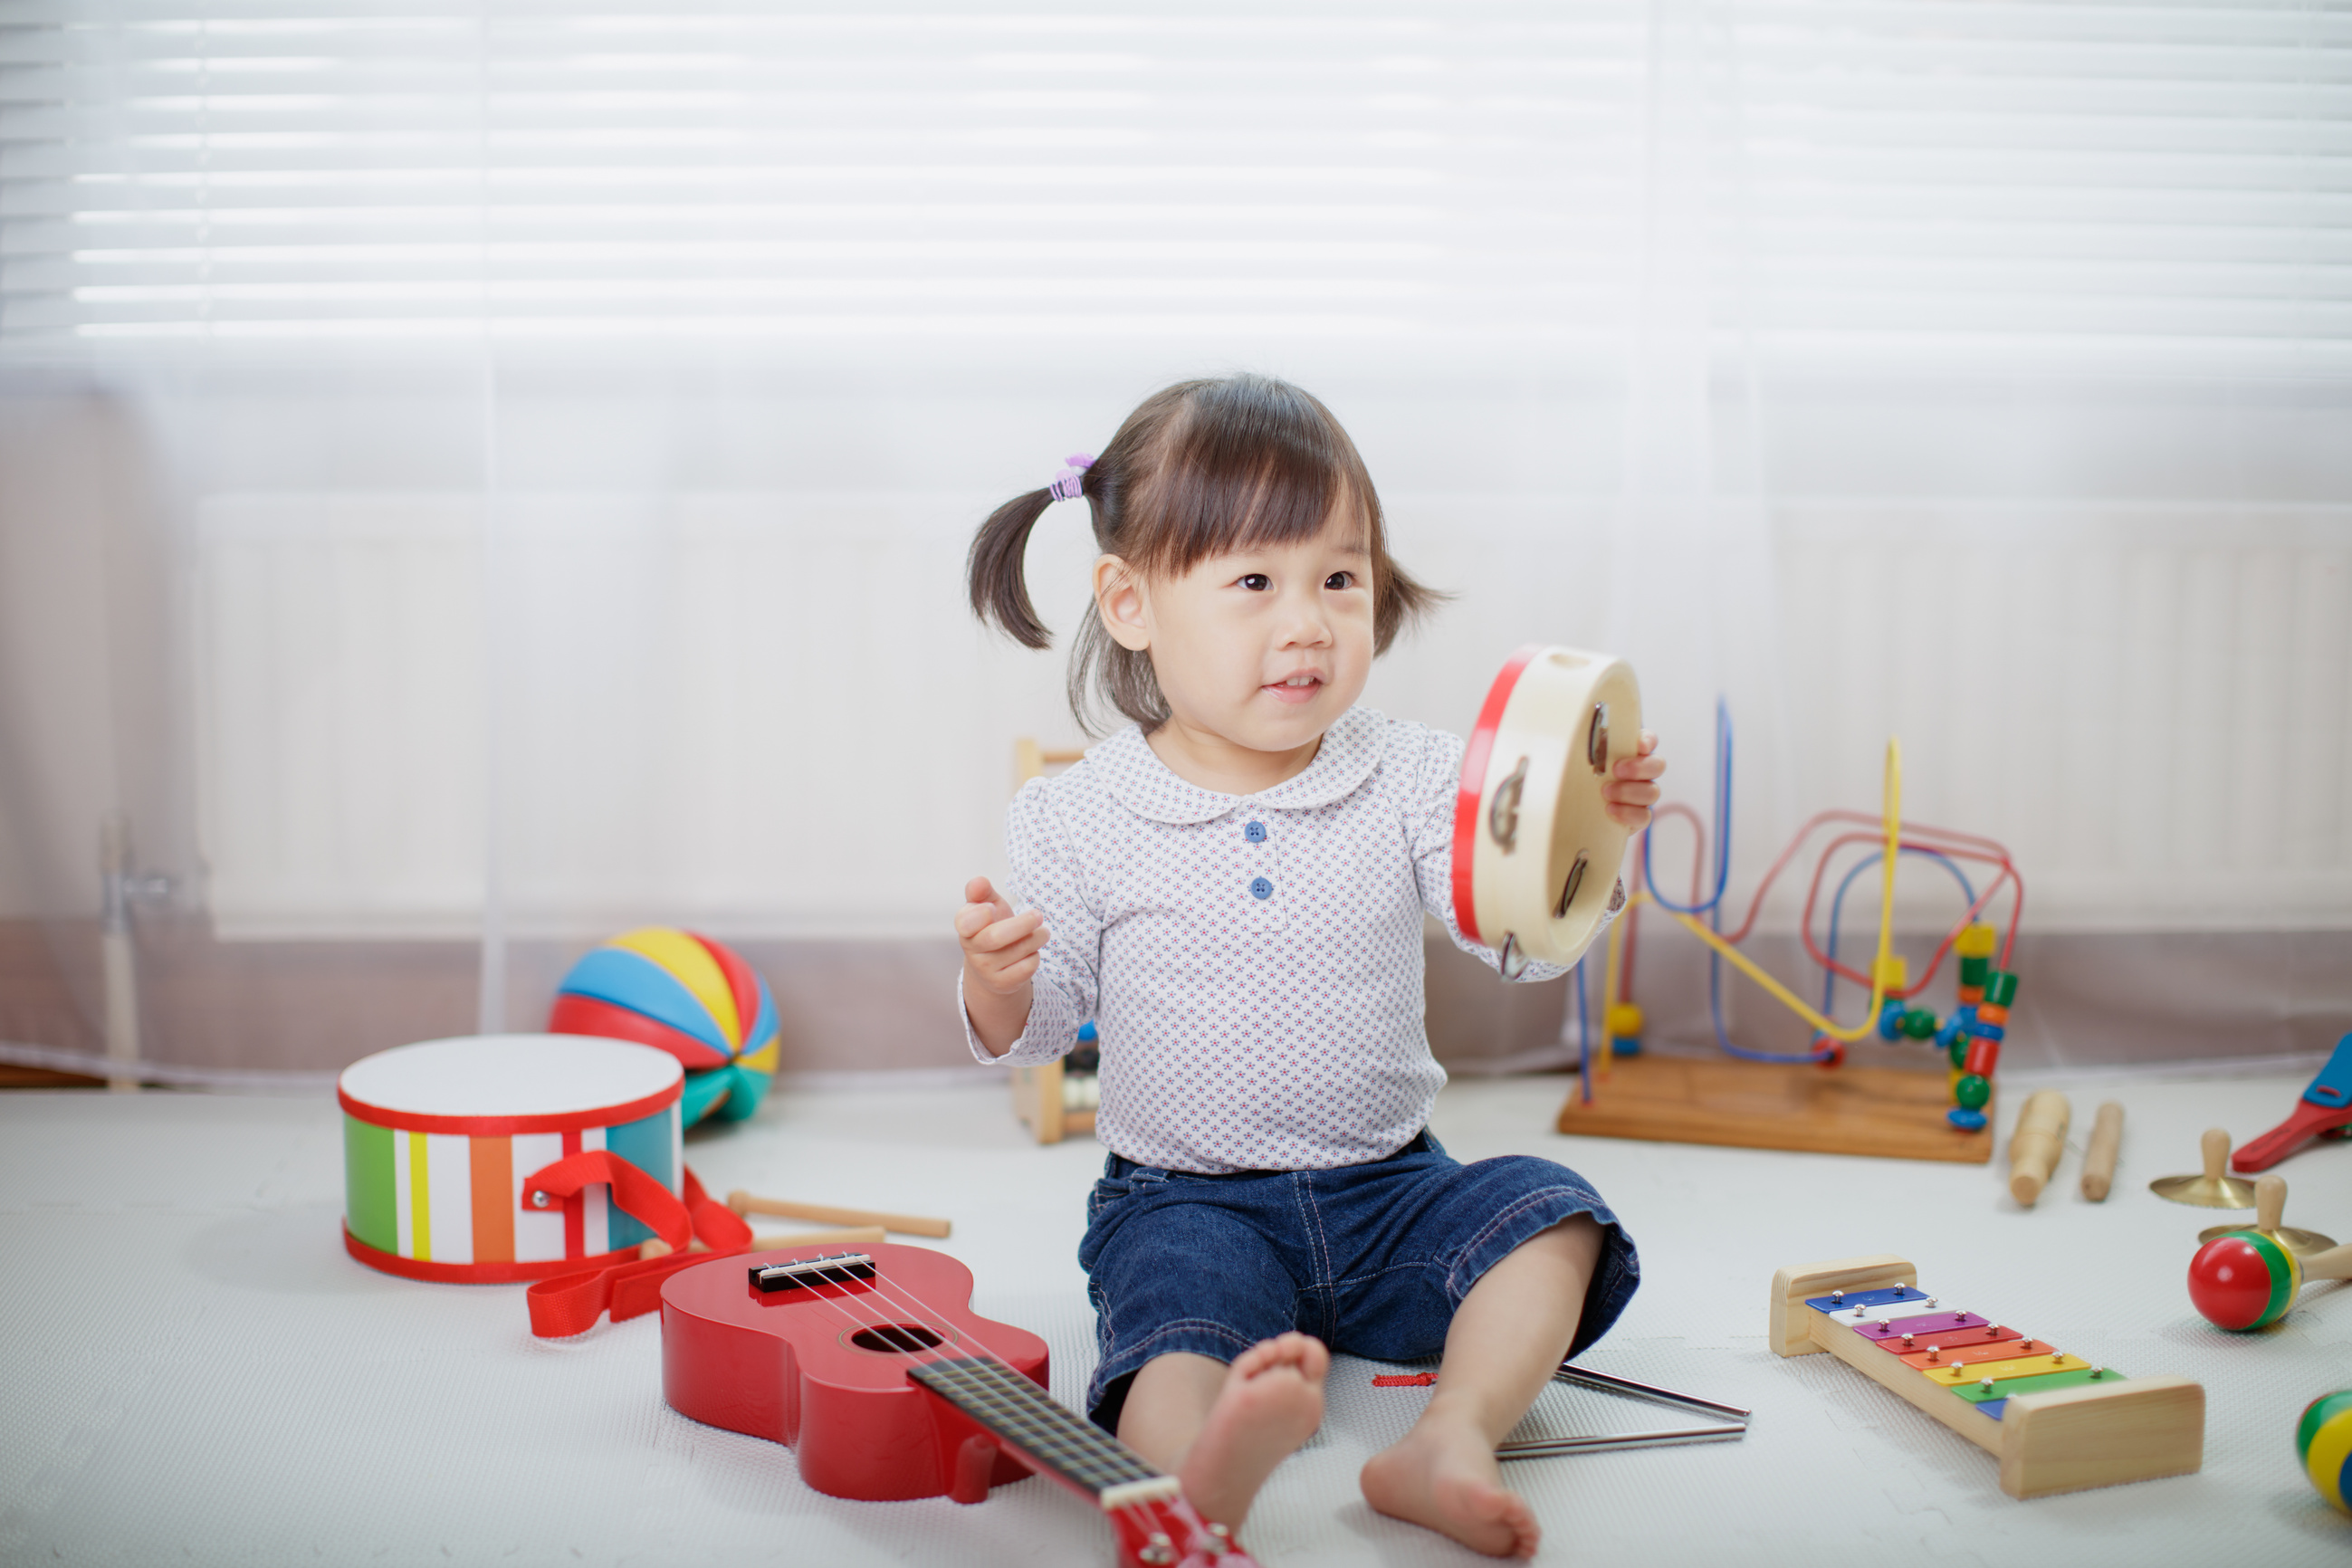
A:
1307,623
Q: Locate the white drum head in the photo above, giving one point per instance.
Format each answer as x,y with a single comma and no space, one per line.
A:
1536,854
510,1074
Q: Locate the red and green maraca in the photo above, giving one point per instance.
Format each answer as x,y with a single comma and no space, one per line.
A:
2248,1278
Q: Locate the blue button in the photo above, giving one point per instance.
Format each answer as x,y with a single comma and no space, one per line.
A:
1254,833
1261,889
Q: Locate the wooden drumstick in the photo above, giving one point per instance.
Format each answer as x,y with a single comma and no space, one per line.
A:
859,1235
743,1201
2034,1147
2099,1162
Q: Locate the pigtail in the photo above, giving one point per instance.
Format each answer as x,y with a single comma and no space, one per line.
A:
999,593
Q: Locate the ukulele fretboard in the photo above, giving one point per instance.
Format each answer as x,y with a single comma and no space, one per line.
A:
1025,1417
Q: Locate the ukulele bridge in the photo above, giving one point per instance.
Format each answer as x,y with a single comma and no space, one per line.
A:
801,1273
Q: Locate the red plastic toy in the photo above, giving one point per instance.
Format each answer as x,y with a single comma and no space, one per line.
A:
871,1366
2325,1111
2244,1281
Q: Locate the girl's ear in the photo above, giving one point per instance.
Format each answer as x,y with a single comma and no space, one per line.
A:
1119,599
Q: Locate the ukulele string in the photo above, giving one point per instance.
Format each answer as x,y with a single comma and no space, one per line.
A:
1137,1514
913,1306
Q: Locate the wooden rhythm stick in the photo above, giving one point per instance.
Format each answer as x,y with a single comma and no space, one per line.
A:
2056,1423
856,1236
2099,1162
2034,1147
744,1203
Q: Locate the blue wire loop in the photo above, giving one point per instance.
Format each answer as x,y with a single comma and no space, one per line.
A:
1712,907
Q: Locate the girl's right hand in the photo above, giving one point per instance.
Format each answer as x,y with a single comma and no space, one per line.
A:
1000,948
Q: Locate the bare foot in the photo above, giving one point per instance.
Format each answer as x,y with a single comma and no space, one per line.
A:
1271,1402
1444,1475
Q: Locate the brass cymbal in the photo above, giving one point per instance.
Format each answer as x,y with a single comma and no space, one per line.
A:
2270,1214
2215,1189
2205,1191
2302,1243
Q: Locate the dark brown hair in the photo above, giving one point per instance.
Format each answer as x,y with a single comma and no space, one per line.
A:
1198,469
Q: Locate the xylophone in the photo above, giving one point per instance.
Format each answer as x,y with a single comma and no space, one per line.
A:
2056,1423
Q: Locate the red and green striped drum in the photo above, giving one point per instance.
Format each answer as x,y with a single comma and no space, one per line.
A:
440,1137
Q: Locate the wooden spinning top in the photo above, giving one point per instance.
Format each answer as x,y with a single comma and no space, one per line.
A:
2270,1203
2214,1189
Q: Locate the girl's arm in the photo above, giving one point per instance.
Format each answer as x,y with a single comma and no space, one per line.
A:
999,954
1028,978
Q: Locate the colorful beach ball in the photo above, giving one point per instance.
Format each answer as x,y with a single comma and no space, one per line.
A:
2323,1441
690,995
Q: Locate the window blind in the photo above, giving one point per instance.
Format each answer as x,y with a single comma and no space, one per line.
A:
1888,175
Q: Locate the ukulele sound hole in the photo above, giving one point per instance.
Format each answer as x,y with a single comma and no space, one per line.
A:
898,1339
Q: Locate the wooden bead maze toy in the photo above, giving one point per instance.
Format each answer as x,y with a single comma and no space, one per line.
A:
1744,1098
2056,1422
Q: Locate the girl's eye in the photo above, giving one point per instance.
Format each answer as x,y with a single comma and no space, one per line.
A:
1340,580
1258,581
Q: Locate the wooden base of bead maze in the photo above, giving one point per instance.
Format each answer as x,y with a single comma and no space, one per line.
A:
2065,1440
1888,1112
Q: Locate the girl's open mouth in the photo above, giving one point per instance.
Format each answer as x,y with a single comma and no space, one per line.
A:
1297,688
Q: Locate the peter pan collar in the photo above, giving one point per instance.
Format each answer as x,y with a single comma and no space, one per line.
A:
1140,781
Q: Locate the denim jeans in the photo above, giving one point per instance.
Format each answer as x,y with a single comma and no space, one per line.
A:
1372,1260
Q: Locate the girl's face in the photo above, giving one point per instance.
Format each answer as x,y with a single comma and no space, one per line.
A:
1261,648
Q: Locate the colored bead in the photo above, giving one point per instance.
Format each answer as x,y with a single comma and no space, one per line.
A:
1890,1020
1918,1024
1993,1012
1890,973
1970,996
1973,1091
1958,1052
1967,1121
1978,940
1983,1056
1984,1031
2000,987
2323,1441
1625,1019
1973,971
2243,1281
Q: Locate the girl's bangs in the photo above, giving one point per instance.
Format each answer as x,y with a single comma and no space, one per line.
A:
1233,483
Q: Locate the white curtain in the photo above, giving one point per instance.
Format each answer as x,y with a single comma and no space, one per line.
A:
566,420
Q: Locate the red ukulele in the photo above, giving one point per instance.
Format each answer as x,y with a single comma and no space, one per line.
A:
873,1368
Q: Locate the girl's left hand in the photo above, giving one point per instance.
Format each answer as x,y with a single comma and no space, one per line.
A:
1631,789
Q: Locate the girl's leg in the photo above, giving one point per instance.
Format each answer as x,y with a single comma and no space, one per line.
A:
1506,1340
1221,1430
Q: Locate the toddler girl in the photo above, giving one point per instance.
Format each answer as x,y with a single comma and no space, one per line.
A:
1234,884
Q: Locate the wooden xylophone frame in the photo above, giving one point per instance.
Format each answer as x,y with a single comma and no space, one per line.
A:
2066,1440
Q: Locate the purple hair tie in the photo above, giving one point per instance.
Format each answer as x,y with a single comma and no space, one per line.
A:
1068,484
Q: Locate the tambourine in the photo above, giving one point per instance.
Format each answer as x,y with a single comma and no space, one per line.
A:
1536,854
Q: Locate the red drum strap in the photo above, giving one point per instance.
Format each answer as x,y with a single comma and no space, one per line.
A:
571,1303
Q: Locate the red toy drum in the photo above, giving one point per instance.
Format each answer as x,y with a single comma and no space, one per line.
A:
1536,854
439,1138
